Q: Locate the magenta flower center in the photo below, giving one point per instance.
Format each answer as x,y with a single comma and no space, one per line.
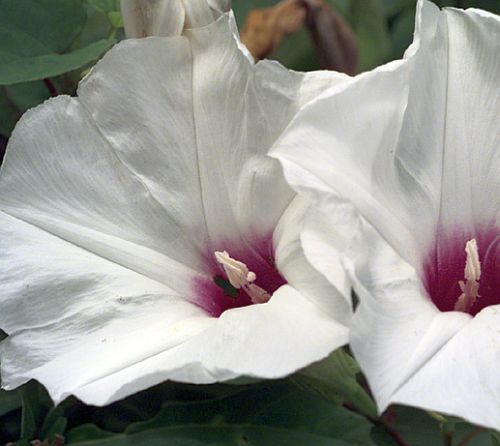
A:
239,275
462,271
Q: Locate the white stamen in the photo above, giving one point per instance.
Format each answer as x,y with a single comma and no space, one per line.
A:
472,273
239,276
237,272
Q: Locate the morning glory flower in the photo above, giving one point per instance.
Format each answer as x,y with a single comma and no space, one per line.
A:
146,236
415,145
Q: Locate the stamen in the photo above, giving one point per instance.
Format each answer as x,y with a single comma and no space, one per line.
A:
472,273
239,277
236,272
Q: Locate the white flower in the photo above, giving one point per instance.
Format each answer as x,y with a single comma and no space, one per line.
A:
125,214
415,145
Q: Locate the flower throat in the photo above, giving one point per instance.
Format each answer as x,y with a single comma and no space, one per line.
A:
462,274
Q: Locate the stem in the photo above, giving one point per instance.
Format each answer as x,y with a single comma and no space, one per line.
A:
11,104
395,435
50,86
448,439
112,33
400,441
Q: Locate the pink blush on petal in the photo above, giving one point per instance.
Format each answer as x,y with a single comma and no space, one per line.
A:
258,257
445,265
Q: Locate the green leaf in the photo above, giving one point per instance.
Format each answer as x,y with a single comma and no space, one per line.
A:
86,432
334,378
381,437
235,408
105,5
420,428
9,401
308,413
31,410
33,33
488,5
30,27
402,32
214,435
391,8
495,439
35,404
15,100
54,424
49,65
8,118
370,26
27,95
116,19
414,426
268,413
111,9
470,435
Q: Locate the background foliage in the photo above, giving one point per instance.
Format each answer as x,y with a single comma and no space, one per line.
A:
46,47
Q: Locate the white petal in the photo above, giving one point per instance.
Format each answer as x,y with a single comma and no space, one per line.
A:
333,299
195,106
461,379
230,126
74,317
262,195
396,328
268,340
326,236
337,144
426,131
59,174
143,107
471,159
274,339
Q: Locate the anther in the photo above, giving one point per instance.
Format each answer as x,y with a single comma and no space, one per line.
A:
472,273
240,276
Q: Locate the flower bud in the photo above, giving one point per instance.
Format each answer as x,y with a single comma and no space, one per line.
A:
143,18
220,6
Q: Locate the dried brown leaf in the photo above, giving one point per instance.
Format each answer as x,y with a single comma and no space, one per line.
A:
265,28
333,40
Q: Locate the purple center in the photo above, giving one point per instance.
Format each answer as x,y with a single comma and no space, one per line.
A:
445,266
258,257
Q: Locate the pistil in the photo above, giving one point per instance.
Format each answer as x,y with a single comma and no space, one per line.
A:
472,273
240,277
